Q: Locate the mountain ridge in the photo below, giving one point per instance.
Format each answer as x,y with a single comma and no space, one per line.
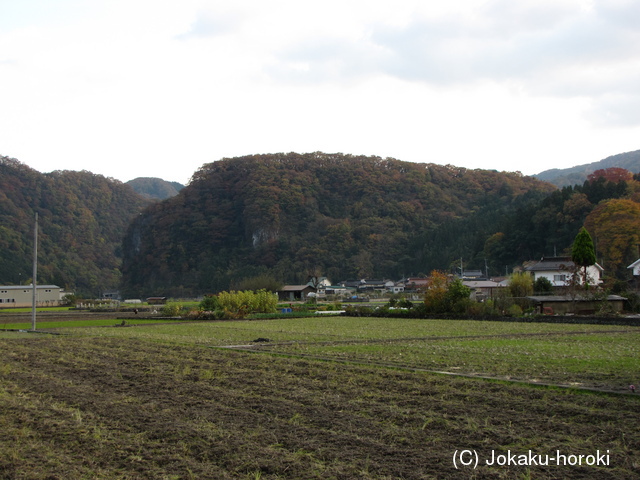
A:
82,218
289,214
576,175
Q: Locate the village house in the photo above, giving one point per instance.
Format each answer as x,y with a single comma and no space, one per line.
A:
369,286
473,275
635,268
339,290
416,283
560,271
481,289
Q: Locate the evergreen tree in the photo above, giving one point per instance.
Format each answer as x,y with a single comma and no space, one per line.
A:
583,253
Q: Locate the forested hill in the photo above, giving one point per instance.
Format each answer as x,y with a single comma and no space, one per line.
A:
155,188
563,177
289,215
82,219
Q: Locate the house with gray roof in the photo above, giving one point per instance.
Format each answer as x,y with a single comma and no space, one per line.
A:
560,270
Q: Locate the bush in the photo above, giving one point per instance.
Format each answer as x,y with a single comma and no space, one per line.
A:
359,311
520,284
462,305
515,310
69,300
633,302
209,303
234,305
171,310
542,286
405,303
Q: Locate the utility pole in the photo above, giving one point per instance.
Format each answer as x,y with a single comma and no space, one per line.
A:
35,273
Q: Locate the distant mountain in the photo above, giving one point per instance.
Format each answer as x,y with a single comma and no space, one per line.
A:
289,215
82,218
155,188
578,174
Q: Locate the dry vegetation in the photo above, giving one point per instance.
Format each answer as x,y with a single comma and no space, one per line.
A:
127,408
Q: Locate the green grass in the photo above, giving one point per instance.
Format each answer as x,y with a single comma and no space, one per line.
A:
73,324
314,329
605,360
9,311
536,352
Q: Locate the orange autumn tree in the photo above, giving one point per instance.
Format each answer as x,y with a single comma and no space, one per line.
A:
616,228
612,174
436,291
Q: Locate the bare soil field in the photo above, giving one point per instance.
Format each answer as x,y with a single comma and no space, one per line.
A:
57,316
117,408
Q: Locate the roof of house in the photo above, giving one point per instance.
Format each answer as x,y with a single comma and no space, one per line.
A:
472,273
417,280
295,288
567,298
480,283
554,264
376,282
25,287
551,263
634,264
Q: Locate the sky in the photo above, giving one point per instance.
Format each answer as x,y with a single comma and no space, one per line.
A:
158,88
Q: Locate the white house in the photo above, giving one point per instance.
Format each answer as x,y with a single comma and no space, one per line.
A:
319,282
635,268
22,295
559,271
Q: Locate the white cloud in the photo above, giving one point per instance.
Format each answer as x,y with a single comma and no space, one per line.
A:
133,88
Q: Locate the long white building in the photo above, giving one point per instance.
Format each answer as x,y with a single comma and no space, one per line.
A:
13,296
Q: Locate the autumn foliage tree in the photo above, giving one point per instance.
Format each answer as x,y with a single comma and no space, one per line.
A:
612,174
443,293
436,292
616,227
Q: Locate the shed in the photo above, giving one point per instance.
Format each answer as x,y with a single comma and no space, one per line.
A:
157,300
290,293
585,305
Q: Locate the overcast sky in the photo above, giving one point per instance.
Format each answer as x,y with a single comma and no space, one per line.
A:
130,88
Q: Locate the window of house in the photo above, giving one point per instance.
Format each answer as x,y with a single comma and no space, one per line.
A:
559,278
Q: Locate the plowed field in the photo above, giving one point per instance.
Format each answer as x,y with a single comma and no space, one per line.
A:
118,408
